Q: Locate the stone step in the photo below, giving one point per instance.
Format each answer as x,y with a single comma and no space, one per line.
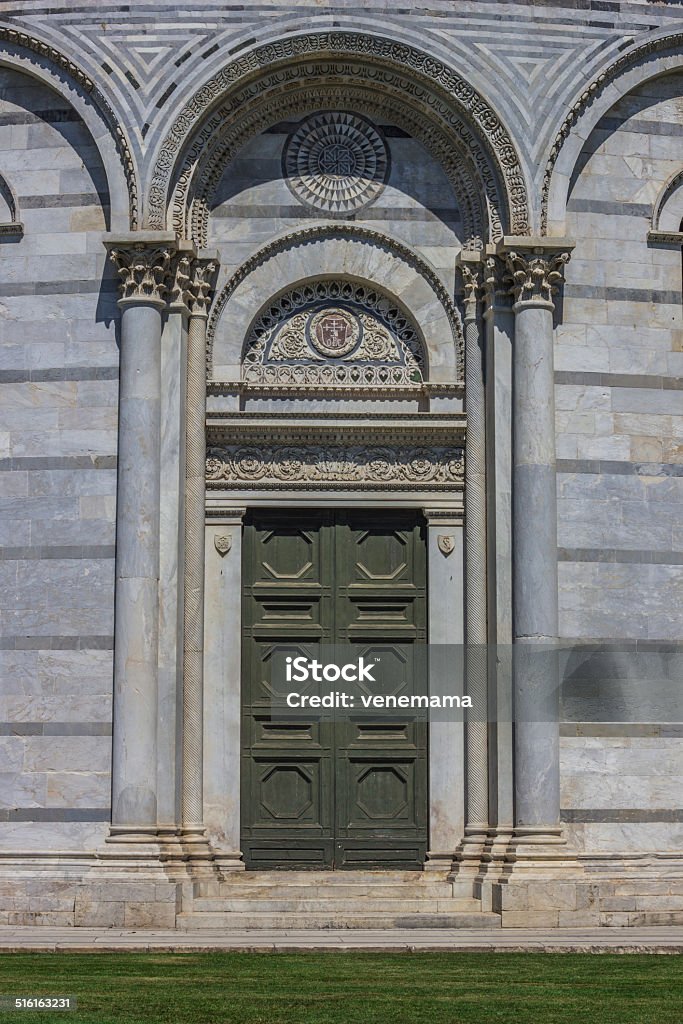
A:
267,921
328,878
334,905
232,890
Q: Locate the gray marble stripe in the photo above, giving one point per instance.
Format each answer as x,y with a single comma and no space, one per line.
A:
55,729
588,645
622,555
595,291
55,814
620,815
619,380
640,126
38,117
58,373
621,729
393,213
19,288
40,552
609,206
604,467
65,200
56,643
64,462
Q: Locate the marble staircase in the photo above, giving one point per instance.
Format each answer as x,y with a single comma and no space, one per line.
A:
331,899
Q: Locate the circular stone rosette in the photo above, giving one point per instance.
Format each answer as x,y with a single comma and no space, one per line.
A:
336,162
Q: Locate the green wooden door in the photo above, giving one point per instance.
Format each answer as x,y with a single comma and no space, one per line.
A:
347,792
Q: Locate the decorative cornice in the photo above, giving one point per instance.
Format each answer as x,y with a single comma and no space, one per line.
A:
368,50
13,229
536,277
72,71
354,232
627,60
347,391
665,238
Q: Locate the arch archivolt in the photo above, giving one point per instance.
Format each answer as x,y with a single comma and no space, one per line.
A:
31,56
474,185
418,83
650,60
347,253
667,215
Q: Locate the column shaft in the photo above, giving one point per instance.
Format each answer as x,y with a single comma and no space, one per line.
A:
195,472
475,563
134,764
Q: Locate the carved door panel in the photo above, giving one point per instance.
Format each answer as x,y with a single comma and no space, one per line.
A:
344,792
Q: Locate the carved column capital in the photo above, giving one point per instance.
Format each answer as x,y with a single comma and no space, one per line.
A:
535,267
201,285
535,277
144,271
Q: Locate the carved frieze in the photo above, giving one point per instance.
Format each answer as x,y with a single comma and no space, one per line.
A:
308,466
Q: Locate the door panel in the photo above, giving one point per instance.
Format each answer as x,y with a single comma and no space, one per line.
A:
349,792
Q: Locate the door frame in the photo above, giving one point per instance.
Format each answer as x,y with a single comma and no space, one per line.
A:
223,657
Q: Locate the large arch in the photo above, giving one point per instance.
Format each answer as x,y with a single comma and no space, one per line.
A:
41,61
658,56
444,101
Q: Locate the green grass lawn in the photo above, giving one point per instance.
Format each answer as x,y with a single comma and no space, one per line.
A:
349,988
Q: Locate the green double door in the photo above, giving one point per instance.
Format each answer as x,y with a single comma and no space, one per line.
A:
348,790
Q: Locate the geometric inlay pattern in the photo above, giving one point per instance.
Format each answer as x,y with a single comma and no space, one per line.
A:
335,162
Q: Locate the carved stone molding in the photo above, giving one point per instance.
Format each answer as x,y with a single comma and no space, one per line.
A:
535,277
356,466
73,72
146,272
628,60
356,233
415,68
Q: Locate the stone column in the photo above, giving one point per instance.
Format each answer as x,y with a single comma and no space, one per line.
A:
198,297
143,262
446,629
499,331
536,272
476,638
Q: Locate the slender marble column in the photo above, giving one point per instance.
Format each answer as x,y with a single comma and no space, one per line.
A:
199,292
499,331
475,563
536,273
143,267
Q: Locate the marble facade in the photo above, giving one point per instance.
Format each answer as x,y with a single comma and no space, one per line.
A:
380,258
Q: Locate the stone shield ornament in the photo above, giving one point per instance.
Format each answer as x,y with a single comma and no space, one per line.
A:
223,543
446,544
